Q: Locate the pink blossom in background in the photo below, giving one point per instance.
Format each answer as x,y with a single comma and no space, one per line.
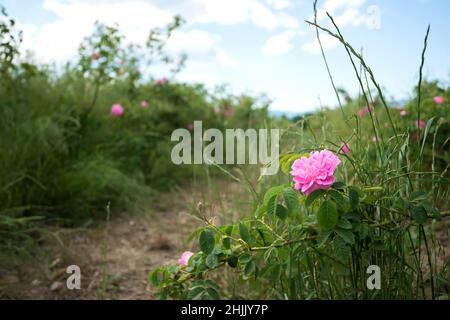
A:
438,100
117,110
403,113
161,81
183,261
144,104
217,110
420,124
364,111
228,111
345,148
314,172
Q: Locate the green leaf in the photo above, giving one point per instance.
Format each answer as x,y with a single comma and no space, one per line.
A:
211,261
419,214
353,196
337,197
291,199
273,192
213,294
207,241
271,206
232,261
313,197
344,224
327,217
243,231
249,269
338,185
276,273
347,235
281,212
363,230
271,251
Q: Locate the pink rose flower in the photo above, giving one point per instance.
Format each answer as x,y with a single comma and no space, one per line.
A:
314,172
183,261
117,110
420,124
438,100
403,113
144,104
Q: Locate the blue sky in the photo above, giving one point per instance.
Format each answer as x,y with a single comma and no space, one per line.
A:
260,46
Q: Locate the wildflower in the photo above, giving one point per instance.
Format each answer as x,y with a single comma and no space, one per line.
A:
364,111
403,113
420,124
314,172
144,104
438,100
217,110
183,261
116,110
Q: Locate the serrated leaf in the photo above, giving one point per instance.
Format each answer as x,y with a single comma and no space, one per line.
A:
273,192
347,235
353,196
344,224
419,214
271,206
291,199
327,217
338,185
337,197
313,197
211,261
207,241
281,212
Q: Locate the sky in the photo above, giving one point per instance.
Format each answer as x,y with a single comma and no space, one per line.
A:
260,46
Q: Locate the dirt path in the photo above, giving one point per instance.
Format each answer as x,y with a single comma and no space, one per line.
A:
116,256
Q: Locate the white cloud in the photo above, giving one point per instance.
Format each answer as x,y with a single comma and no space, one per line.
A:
192,41
279,44
228,12
328,43
279,4
59,40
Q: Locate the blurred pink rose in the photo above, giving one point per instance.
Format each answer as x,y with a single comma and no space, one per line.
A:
117,110
183,261
403,113
364,111
144,104
420,124
438,99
